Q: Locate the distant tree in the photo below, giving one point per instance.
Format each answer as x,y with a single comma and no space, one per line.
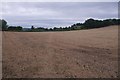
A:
50,29
60,29
46,29
0,24
19,28
14,28
55,29
3,25
32,28
90,23
118,22
41,29
79,24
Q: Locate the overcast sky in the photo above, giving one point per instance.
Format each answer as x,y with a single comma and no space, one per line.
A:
56,14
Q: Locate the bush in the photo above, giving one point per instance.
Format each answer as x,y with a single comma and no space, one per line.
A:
14,28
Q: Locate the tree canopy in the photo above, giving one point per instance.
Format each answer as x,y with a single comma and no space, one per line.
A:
88,24
14,28
3,25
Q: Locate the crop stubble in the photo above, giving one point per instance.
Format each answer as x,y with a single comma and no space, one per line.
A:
82,54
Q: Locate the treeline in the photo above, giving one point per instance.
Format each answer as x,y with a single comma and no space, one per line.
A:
14,28
88,24
5,27
91,23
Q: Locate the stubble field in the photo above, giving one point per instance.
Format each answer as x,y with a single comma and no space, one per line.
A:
72,54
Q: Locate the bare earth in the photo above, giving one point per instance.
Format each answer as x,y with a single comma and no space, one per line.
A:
72,54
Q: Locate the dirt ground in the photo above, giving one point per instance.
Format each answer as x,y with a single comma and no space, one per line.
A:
71,54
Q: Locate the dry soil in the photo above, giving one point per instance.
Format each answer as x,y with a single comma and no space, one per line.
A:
72,54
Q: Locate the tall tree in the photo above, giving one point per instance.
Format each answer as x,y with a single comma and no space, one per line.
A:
32,28
3,25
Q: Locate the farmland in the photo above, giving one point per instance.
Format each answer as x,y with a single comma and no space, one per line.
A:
67,54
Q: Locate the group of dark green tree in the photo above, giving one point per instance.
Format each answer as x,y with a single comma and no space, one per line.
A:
88,24
5,27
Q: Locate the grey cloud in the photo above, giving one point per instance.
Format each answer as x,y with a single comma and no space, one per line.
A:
49,14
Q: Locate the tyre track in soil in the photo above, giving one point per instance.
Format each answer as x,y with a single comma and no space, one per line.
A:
93,62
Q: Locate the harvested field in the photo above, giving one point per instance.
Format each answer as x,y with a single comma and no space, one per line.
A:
71,54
